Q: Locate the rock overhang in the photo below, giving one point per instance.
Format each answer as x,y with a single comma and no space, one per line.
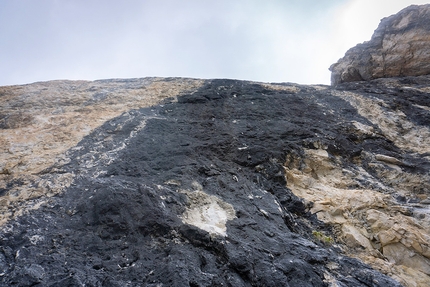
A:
398,48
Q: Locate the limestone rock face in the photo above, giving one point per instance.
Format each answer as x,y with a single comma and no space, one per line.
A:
399,47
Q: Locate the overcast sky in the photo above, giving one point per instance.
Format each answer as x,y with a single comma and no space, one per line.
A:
260,40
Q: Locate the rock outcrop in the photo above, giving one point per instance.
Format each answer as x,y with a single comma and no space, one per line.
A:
398,47
183,182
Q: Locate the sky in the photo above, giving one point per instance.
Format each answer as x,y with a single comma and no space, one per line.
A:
258,40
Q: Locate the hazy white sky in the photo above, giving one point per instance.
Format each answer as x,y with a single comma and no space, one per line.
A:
261,40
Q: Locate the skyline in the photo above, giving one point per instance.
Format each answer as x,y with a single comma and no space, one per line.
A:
273,41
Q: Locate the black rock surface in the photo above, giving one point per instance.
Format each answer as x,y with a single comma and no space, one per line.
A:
119,223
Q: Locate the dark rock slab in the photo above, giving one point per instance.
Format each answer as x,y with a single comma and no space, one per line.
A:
119,224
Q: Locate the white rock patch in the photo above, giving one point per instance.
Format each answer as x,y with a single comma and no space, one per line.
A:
208,212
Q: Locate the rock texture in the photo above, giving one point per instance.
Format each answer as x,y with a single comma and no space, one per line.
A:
183,182
40,122
398,47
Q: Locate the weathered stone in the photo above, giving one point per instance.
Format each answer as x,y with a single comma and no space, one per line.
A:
200,191
208,213
380,197
401,255
354,238
58,114
399,47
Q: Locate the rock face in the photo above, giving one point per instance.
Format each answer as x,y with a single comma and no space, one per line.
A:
398,47
187,182
183,182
